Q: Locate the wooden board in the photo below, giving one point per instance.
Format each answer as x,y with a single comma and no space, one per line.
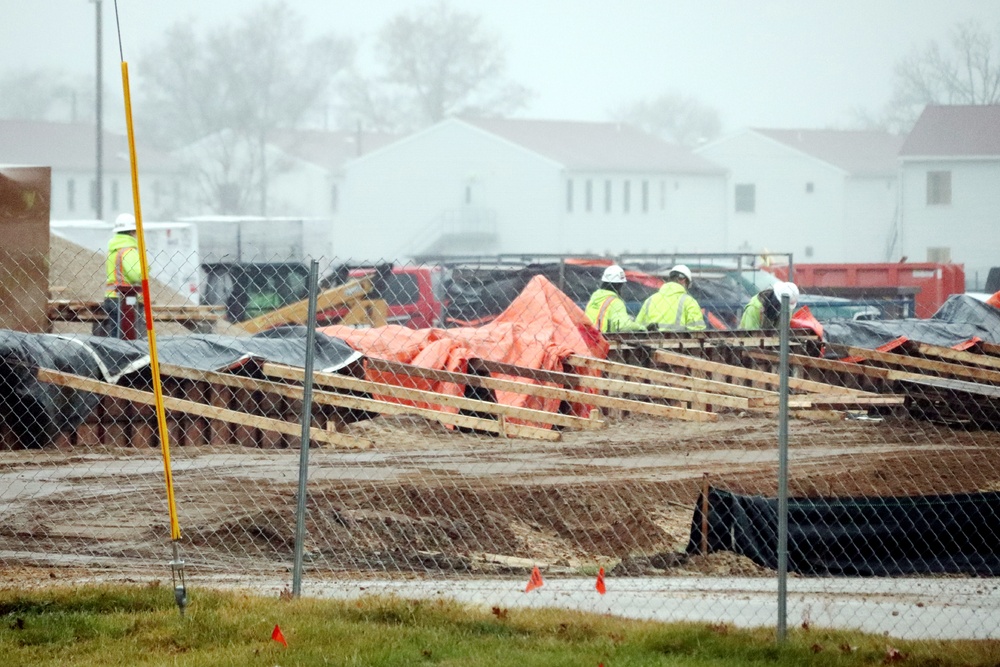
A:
770,379
821,364
190,407
617,386
542,391
298,312
913,347
359,403
433,398
665,377
905,361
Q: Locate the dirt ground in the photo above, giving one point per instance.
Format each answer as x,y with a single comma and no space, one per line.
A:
426,501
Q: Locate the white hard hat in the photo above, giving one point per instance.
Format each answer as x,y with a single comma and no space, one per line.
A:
613,274
790,289
683,270
125,222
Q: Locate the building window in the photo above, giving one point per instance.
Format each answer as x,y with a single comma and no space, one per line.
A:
810,187
645,196
607,196
569,196
589,195
663,195
335,196
938,187
114,195
746,197
157,193
626,195
71,195
93,194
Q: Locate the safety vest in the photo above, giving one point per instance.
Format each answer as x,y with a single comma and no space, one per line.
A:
671,308
122,270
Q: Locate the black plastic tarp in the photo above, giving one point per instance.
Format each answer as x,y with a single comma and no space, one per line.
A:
948,534
38,411
959,319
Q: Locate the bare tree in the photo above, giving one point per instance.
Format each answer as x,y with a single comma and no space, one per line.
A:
245,80
964,71
45,94
674,117
434,63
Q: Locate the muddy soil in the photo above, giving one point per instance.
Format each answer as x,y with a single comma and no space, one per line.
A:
428,501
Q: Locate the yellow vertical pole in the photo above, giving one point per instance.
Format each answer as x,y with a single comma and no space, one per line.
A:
154,363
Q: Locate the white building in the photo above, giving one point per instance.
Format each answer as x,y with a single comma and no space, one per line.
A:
301,174
528,186
70,150
950,189
823,195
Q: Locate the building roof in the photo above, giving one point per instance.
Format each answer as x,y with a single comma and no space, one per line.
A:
858,152
72,146
955,131
329,150
597,146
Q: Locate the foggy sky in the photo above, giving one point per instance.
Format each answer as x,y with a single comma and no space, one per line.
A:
783,63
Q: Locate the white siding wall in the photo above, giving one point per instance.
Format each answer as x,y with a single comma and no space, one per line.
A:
158,199
394,199
299,188
871,210
969,226
683,213
787,217
397,195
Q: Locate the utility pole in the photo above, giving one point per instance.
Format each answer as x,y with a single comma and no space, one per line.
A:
99,111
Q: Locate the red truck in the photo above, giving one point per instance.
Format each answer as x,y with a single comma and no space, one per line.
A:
413,294
933,282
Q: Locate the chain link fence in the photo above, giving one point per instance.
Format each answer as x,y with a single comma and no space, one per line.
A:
469,426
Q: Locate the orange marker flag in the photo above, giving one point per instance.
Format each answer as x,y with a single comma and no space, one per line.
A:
600,582
278,637
535,581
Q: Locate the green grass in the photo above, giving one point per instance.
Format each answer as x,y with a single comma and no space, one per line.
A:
119,625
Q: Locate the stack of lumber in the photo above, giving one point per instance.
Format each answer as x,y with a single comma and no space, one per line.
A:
940,383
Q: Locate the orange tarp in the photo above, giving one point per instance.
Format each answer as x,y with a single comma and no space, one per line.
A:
539,329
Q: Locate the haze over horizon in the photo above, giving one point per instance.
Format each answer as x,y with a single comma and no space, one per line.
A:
775,64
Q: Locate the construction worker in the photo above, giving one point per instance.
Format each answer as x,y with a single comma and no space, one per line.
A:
764,310
606,308
671,308
124,279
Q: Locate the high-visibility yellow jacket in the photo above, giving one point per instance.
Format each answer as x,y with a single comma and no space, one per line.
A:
753,315
608,313
122,265
671,308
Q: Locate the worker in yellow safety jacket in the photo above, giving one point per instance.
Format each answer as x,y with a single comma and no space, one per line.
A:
671,308
764,310
124,278
606,309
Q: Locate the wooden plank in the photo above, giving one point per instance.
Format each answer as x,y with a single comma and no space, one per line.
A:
908,362
821,364
618,386
991,349
192,408
542,391
956,386
665,377
770,379
433,398
842,402
298,312
951,354
358,403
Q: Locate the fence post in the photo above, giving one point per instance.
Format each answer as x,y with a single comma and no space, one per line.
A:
783,474
300,509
